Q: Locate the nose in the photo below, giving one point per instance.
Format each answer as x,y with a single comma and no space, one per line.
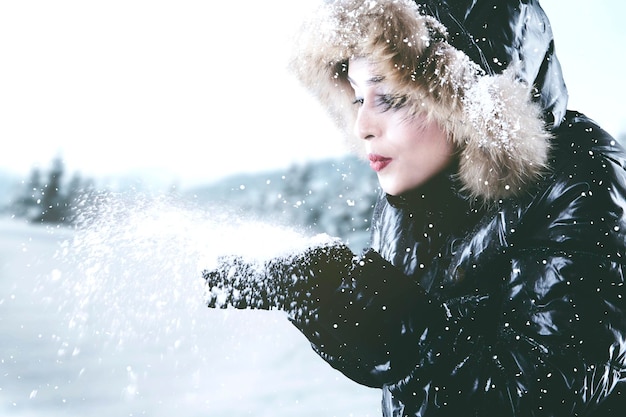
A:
367,125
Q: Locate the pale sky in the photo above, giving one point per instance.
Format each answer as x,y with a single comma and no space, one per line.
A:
191,90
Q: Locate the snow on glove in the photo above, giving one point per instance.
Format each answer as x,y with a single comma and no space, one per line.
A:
293,283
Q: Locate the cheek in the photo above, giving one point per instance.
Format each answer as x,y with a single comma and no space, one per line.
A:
429,147
426,136
443,146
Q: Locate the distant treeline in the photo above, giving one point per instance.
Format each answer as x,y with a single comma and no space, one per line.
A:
330,196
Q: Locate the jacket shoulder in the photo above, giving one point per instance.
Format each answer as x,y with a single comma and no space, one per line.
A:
580,204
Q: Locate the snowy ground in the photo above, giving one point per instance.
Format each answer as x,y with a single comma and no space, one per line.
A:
110,329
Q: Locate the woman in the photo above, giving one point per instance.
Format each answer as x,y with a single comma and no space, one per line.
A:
494,285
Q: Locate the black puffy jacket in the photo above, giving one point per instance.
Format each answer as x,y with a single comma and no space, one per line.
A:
514,308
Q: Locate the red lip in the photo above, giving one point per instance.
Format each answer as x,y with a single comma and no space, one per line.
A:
378,162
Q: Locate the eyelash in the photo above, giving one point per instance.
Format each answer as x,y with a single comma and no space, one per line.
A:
387,101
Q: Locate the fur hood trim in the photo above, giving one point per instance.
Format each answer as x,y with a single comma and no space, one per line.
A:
501,137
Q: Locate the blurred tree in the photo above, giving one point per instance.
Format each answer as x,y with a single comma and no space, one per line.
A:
26,204
48,199
54,207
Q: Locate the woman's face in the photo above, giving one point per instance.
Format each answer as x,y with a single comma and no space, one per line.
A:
404,150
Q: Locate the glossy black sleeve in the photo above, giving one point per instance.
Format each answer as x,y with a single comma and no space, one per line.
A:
373,327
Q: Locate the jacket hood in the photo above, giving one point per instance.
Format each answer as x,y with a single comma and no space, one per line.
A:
495,33
494,114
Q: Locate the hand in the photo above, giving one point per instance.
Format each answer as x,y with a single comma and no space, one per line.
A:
234,283
294,283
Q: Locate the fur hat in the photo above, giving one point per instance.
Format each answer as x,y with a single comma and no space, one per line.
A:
501,137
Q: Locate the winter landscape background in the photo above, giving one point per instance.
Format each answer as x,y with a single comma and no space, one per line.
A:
101,312
137,155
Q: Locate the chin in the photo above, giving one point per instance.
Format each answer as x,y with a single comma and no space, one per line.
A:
392,189
396,189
